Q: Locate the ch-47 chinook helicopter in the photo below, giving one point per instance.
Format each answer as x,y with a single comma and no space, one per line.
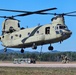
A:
15,37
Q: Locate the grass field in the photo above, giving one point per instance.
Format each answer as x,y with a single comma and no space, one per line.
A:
36,71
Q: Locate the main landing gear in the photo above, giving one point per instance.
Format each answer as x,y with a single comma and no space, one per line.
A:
50,47
5,50
34,46
22,50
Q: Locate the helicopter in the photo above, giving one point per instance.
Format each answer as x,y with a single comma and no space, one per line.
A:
13,36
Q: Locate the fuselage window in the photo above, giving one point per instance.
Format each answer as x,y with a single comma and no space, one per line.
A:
11,37
2,36
11,29
4,26
57,32
47,30
37,31
28,33
16,35
18,25
20,35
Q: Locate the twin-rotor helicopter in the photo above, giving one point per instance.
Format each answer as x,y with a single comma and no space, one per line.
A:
13,36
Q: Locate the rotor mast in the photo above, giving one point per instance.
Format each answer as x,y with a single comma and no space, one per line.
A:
58,19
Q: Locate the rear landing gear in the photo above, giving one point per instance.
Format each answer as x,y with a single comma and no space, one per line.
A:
50,48
5,49
22,50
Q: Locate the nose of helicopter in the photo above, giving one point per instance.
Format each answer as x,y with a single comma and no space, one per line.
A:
70,32
66,34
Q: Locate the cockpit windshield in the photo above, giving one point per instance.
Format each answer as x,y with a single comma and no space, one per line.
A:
62,27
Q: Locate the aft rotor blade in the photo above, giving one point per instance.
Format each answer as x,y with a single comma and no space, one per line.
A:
3,17
35,12
64,14
71,15
70,12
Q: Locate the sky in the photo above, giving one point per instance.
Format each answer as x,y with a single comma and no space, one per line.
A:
62,6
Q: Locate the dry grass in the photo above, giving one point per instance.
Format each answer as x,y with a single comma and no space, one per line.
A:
37,71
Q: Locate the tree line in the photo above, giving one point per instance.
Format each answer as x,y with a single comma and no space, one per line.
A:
47,56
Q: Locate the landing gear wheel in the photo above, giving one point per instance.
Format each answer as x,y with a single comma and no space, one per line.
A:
50,48
5,49
22,50
34,46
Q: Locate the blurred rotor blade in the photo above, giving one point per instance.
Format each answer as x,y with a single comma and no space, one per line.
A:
35,12
23,14
70,12
27,11
3,17
48,13
45,10
64,14
11,17
71,15
14,10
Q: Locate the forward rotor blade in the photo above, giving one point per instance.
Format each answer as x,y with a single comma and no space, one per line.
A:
45,10
48,13
11,17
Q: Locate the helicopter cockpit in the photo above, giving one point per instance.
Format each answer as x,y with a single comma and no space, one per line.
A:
59,27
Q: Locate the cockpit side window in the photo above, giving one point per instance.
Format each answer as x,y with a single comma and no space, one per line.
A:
47,30
62,27
59,26
56,28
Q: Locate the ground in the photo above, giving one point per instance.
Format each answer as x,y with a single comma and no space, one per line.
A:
36,71
40,68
